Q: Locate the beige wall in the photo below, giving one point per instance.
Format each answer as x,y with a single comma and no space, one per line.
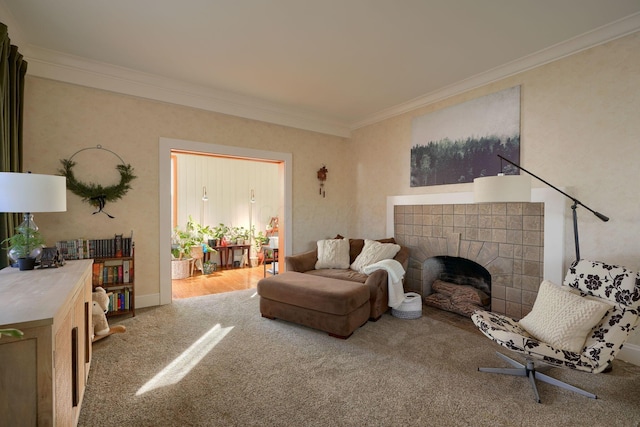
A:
580,130
61,119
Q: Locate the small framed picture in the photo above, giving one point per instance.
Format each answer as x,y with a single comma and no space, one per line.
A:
50,257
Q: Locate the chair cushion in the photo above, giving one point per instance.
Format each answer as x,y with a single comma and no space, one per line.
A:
508,333
340,274
321,294
333,253
562,318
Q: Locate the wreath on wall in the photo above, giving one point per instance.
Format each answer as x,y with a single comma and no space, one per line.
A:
95,194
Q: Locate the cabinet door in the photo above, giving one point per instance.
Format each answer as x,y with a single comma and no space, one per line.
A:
64,372
78,335
18,380
88,322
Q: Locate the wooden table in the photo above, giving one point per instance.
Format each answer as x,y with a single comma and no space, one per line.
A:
227,250
272,260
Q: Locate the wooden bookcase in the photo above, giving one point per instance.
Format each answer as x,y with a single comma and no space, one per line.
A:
117,276
113,268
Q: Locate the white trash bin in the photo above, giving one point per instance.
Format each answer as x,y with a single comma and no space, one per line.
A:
411,307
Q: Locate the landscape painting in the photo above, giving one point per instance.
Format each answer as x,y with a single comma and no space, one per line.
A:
460,143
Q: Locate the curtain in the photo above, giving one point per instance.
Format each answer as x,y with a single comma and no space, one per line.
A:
12,72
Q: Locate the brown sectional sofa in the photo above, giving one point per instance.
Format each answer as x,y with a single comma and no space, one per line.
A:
337,301
376,282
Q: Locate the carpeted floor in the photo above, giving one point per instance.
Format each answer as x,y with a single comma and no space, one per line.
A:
214,361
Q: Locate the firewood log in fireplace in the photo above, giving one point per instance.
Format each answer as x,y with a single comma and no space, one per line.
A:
461,299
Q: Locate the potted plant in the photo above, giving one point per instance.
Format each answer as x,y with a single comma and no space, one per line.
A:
200,233
219,233
180,248
188,243
242,236
233,235
209,267
182,242
260,240
25,246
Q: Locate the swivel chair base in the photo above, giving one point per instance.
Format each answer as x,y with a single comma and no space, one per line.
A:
529,371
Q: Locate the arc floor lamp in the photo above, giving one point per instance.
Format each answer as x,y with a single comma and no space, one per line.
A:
514,188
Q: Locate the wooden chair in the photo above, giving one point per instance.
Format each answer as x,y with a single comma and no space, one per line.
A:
270,259
197,255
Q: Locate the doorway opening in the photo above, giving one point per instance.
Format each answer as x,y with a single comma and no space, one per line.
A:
170,146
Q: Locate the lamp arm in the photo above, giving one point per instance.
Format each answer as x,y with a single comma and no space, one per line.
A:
575,201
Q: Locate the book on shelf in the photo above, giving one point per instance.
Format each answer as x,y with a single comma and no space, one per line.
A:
119,300
126,271
116,247
112,272
97,278
117,243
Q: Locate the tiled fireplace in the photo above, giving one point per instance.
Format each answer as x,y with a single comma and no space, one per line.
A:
508,239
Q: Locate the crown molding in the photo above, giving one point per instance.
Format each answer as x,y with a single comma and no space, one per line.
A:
76,70
585,41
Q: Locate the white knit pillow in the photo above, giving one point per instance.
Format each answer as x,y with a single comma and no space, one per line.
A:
563,319
333,253
373,252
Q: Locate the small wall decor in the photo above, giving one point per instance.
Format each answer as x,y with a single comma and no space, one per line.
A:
322,177
95,194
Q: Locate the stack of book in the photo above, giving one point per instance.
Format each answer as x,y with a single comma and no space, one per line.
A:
112,272
119,300
115,247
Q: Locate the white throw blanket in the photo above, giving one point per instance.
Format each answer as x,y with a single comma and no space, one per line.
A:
395,273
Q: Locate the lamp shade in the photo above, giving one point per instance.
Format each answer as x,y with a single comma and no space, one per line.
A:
30,192
502,188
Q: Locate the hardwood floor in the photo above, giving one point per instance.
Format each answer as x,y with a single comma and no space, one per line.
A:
224,280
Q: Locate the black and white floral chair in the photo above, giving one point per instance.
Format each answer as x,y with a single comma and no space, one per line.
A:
581,325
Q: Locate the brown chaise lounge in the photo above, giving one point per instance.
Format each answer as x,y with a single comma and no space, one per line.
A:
337,301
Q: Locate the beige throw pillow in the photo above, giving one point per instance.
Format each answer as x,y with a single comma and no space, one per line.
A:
373,252
563,319
333,253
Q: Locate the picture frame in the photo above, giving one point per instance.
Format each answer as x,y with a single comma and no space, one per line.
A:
461,143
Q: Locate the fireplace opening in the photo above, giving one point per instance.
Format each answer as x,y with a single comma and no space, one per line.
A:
456,284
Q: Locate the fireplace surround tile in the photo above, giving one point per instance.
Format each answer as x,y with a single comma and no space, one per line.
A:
513,309
505,238
498,305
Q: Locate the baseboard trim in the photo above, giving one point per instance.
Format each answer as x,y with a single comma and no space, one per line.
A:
150,300
630,353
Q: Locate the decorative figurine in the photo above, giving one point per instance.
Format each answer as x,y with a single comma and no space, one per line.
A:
50,257
322,177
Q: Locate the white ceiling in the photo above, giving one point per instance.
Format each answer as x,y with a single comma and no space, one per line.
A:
325,65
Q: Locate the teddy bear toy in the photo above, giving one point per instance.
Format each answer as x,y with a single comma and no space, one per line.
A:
99,310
